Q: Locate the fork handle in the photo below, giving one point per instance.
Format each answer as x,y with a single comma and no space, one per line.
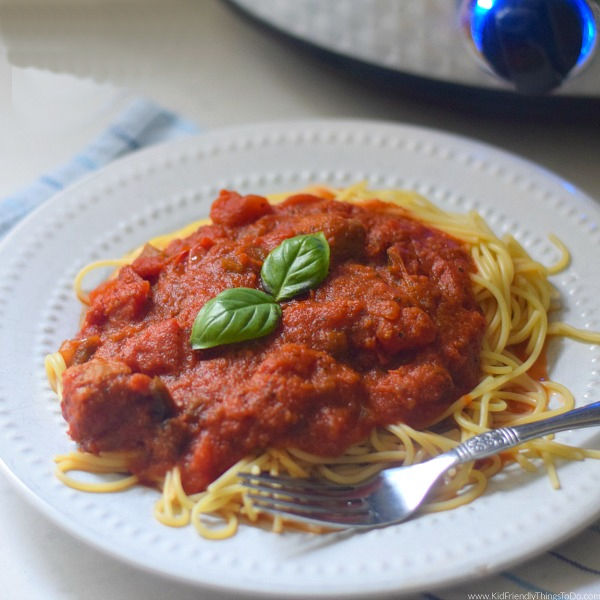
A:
496,440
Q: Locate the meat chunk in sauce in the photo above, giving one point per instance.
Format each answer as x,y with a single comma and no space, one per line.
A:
110,408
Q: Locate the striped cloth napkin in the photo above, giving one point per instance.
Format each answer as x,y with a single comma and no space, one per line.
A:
569,572
141,124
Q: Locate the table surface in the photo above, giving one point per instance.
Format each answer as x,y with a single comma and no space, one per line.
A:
68,68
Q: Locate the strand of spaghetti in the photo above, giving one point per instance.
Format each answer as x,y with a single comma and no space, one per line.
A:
490,383
528,267
466,422
506,265
169,509
292,467
65,466
278,524
497,363
106,462
226,486
556,449
535,330
503,311
467,425
230,477
495,324
463,402
428,441
55,366
531,399
546,414
565,256
479,483
162,241
517,313
581,335
537,316
84,297
590,453
388,456
360,473
492,465
213,501
482,407
212,532
464,227
524,462
405,441
499,264
380,440
525,330
274,468
182,497
248,509
551,470
493,318
174,506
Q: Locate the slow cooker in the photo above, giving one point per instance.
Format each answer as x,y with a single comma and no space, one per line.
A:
525,48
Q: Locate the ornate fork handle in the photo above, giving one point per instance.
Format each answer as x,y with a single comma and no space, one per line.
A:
492,442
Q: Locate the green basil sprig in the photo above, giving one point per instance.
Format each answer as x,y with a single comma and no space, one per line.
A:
239,314
235,315
298,264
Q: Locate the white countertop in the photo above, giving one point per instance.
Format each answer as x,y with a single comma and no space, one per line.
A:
67,68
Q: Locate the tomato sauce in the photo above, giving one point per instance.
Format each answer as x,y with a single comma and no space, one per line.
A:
393,334
539,369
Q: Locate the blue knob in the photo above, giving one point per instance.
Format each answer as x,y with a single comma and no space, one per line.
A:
534,44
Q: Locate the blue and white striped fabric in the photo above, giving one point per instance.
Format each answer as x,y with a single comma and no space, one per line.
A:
141,124
569,572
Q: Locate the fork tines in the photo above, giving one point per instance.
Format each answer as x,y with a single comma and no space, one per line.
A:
308,500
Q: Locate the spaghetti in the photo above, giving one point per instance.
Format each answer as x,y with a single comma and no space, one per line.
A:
515,297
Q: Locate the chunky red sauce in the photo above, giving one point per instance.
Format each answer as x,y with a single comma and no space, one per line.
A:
392,335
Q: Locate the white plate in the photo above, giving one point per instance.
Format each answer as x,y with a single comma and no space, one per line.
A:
157,190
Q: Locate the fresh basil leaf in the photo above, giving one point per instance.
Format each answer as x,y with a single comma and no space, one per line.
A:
298,264
235,315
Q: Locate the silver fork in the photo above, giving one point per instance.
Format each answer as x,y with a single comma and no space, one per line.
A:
396,493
